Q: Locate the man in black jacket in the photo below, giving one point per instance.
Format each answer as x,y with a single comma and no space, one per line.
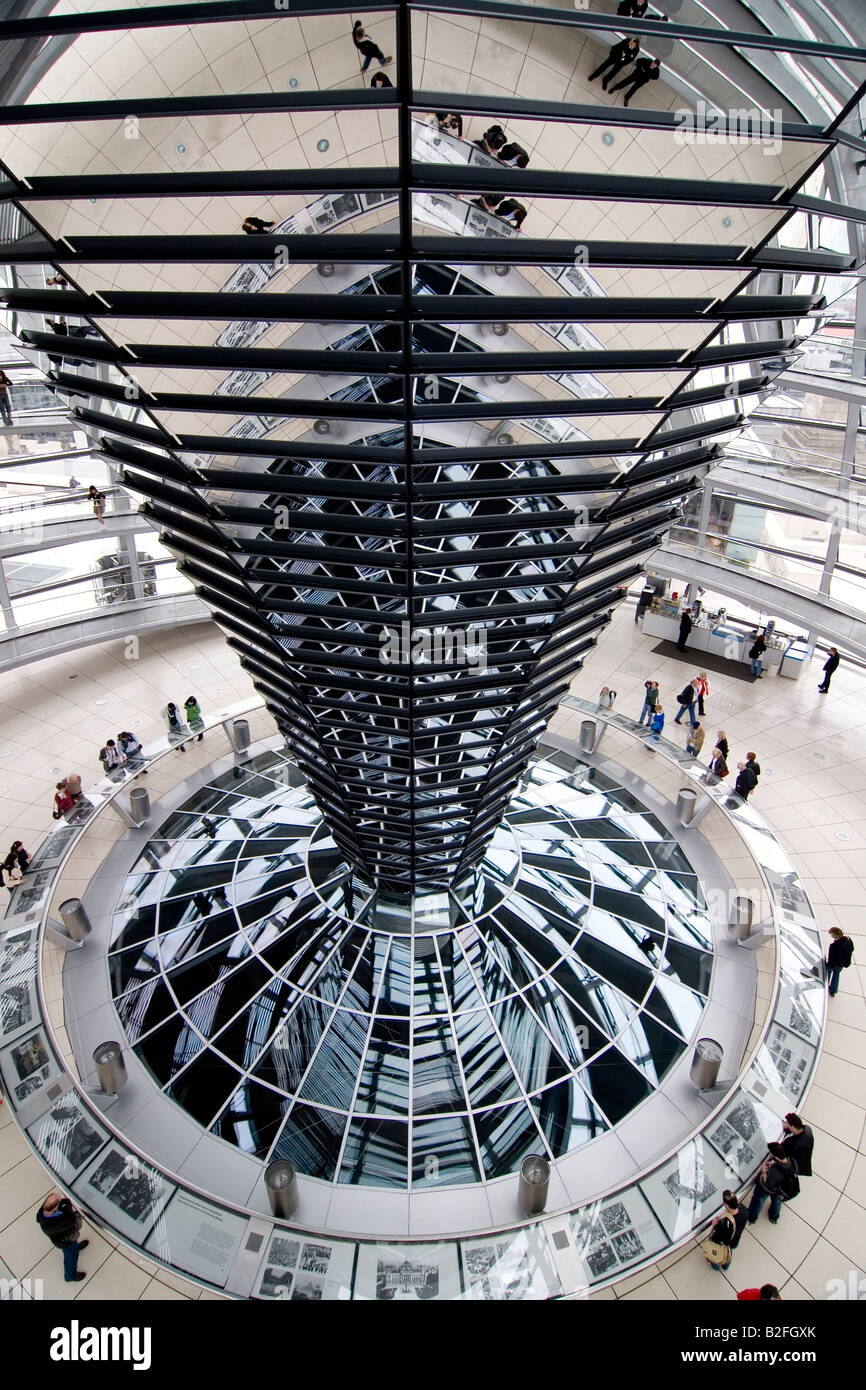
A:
685,629
645,70
839,957
775,1181
619,57
746,781
798,1143
61,1222
632,9
829,667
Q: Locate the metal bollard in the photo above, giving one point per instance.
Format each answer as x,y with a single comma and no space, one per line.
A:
108,1060
139,804
281,1184
705,1063
532,1185
588,735
686,802
740,924
240,735
75,919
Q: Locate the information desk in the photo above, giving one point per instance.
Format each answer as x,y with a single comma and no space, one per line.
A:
718,641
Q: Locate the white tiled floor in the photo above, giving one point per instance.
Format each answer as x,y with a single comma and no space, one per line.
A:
47,720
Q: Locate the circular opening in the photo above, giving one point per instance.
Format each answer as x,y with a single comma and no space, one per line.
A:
535,1169
322,145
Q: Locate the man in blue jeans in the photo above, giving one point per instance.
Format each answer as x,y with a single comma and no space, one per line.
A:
773,1181
650,699
61,1222
839,957
687,698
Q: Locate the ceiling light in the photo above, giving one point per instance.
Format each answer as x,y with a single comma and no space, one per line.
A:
322,145
293,82
607,138
322,427
181,148
326,270
727,221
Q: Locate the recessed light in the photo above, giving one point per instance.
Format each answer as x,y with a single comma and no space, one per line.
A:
94,201
193,666
842,835
820,756
322,145
100,702
181,148
322,427
293,82
136,723
607,138
54,770
4,753
727,221
326,270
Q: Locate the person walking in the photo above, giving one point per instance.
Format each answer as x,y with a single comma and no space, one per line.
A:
111,758
839,957
172,722
193,716
10,871
253,226
367,47
5,407
20,853
830,665
726,1228
651,694
619,57
131,750
777,1181
686,699
62,1223
695,740
702,688
685,629
756,652
645,70
658,722
798,1141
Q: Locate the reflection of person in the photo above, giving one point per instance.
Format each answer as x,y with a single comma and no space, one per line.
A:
448,122
492,141
619,57
253,225
500,206
62,1222
645,70
366,46
5,410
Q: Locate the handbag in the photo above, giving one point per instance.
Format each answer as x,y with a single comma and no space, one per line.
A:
716,1254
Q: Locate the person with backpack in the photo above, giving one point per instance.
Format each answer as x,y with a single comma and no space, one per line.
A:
777,1181
61,1222
686,698
839,957
725,1231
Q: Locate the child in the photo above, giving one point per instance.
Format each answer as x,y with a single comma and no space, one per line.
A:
658,723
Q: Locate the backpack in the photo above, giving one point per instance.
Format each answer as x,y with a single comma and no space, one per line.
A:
686,696
790,1187
848,945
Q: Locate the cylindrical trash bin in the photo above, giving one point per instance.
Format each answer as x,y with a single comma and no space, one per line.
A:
281,1184
706,1062
139,804
241,735
588,735
75,919
741,917
108,1060
686,803
533,1184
